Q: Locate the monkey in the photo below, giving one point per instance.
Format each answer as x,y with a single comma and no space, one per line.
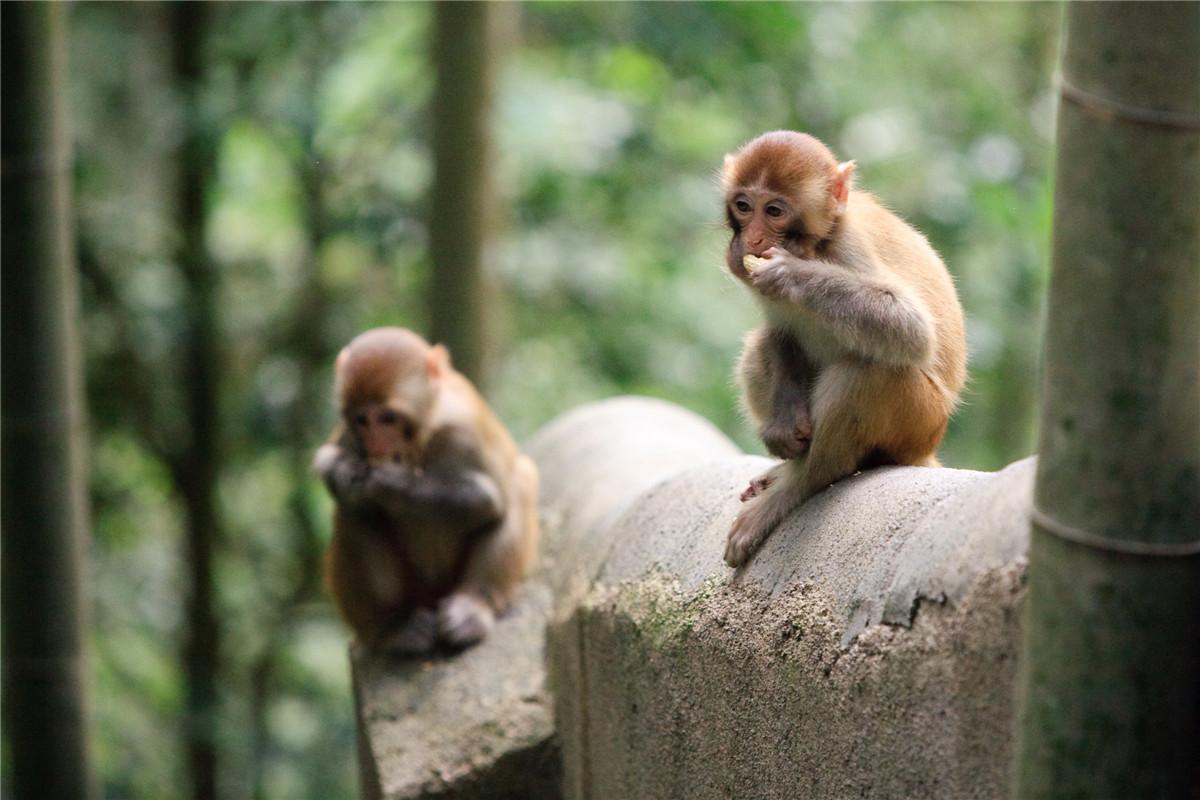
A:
863,352
435,518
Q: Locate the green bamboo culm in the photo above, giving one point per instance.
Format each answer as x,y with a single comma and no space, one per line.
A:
1111,676
42,508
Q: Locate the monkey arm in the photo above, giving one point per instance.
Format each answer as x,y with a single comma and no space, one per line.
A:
465,496
450,491
872,316
453,485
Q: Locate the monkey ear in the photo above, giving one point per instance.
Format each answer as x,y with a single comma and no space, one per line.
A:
726,175
842,180
438,361
339,372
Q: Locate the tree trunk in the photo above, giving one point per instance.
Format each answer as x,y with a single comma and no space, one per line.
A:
305,342
196,474
1111,680
43,513
467,41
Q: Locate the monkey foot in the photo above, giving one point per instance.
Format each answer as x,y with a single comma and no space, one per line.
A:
416,636
749,529
744,540
756,487
756,520
464,619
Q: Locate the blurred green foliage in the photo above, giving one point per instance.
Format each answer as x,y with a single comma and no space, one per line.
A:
611,123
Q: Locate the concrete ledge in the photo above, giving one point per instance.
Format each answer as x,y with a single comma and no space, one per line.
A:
869,650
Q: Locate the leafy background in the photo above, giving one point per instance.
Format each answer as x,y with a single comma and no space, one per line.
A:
610,123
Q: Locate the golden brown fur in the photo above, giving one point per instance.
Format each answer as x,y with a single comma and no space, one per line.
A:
863,354
430,548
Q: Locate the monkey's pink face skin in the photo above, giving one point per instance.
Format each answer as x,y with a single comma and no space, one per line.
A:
387,433
762,218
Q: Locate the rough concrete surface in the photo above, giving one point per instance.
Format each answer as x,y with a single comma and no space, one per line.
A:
595,461
869,649
479,724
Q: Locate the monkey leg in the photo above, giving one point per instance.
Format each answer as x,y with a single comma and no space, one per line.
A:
787,429
791,483
366,580
776,377
496,565
755,374
764,509
861,410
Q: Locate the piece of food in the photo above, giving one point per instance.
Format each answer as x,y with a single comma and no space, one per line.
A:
753,263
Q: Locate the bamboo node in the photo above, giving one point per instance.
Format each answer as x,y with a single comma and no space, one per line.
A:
1109,544
1110,109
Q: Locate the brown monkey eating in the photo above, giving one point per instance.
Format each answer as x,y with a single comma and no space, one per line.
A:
863,353
436,516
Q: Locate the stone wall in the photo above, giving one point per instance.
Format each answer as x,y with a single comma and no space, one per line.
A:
869,650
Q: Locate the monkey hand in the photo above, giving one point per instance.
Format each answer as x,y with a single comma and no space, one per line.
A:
777,276
344,474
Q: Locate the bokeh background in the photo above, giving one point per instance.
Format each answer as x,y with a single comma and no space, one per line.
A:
307,127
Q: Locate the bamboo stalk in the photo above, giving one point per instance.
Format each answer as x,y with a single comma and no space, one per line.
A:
1111,676
468,39
197,479
43,512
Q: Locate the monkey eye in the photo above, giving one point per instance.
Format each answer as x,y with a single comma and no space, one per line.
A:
388,417
774,210
360,418
742,206
408,430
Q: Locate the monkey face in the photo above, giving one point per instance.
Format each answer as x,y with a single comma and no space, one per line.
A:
763,217
783,189
386,432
